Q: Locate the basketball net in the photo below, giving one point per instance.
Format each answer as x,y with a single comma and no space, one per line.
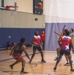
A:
11,7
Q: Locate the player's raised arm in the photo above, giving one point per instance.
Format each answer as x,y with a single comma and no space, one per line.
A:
63,29
57,33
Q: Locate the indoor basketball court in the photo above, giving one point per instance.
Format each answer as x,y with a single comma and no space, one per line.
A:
36,67
22,19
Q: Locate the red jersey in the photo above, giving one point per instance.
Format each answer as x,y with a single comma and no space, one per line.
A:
66,41
43,36
37,39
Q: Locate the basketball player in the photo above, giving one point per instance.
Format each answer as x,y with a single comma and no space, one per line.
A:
66,41
36,46
70,46
58,49
16,53
43,39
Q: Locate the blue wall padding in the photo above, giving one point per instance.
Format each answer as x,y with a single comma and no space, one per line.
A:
14,35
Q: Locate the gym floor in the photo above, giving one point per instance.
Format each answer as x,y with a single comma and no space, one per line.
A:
36,67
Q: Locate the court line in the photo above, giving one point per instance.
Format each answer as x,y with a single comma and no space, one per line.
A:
39,73
28,72
13,58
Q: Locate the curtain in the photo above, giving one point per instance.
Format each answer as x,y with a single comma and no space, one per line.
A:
52,38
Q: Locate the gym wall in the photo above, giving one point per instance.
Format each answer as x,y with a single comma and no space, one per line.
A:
14,25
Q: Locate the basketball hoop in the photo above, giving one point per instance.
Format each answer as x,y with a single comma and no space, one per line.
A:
11,7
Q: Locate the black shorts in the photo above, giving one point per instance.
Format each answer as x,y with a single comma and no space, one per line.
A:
37,48
67,52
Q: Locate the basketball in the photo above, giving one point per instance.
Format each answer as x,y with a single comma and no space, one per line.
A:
40,5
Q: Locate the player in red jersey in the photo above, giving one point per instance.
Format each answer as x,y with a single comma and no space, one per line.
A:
43,39
36,46
66,41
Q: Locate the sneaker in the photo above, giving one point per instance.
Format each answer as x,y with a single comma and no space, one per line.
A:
54,69
58,56
43,61
67,64
11,66
72,70
22,72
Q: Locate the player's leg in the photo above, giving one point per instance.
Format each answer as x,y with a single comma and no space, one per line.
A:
42,56
43,45
58,53
58,50
58,60
70,47
16,57
11,66
23,65
34,51
69,57
67,64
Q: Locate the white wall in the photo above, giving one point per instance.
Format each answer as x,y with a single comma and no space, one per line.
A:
59,10
25,5
11,19
0,3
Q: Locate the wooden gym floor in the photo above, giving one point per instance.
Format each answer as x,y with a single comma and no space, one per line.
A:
36,67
